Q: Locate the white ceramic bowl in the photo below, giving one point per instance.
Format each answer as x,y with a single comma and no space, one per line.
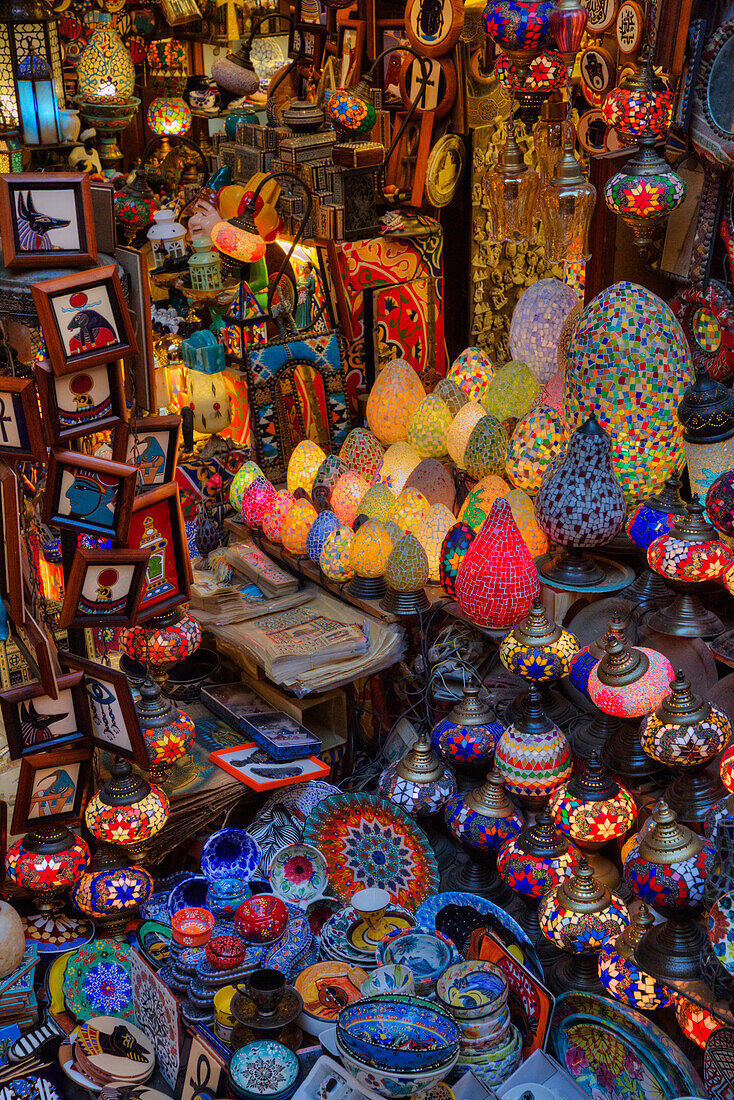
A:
394,978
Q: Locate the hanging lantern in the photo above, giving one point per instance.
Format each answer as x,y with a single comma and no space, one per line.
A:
706,415
169,116
568,22
565,206
127,810
519,27
550,136
39,108
29,30
135,204
645,192
547,73
511,189
640,105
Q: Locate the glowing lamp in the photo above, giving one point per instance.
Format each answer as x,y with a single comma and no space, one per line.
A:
566,204
640,105
545,74
11,149
536,446
47,864
533,754
111,893
451,394
628,681
478,503
37,103
550,134
486,448
393,398
127,810
510,188
346,496
520,28
327,475
242,480
645,192
471,372
567,21
377,503
512,392
169,116
274,517
237,243
458,540
696,1022
538,859
350,113
27,30
362,452
257,500
431,533
410,509
538,649
621,976
323,525
461,428
656,515
368,554
428,427
168,732
105,69
523,514
497,580
297,525
334,560
433,479
405,576
303,465
398,463
706,415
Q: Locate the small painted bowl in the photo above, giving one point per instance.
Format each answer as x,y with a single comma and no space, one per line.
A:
394,978
223,1006
261,919
480,1030
264,1068
397,1036
394,1084
192,927
426,955
319,910
298,873
472,989
225,896
226,952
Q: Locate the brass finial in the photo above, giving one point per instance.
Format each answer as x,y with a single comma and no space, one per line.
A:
543,839
491,799
594,784
668,841
621,664
421,764
582,893
537,629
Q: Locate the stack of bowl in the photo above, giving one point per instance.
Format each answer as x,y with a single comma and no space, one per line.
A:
397,1045
475,993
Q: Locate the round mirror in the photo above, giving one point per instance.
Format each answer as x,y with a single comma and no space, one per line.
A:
720,91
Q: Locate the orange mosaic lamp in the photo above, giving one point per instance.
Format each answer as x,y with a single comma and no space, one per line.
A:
167,731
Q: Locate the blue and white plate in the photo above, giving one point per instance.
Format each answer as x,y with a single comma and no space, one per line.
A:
264,1068
230,853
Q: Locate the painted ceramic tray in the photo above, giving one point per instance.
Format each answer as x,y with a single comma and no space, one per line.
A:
154,942
368,842
612,1051
721,930
230,853
718,1064
97,981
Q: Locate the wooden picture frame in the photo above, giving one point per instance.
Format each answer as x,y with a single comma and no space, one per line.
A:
114,724
46,220
101,573
408,164
89,494
388,34
85,319
352,33
157,525
90,400
21,433
39,650
177,12
152,447
34,722
135,265
684,99
3,838
12,586
433,27
103,209
52,788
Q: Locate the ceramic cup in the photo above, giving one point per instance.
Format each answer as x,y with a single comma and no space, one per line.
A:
372,905
266,988
225,895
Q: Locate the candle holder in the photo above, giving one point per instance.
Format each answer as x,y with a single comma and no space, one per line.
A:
533,755
420,782
470,731
482,821
539,651
621,976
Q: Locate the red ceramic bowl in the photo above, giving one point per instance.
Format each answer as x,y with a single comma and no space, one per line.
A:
226,952
192,927
261,919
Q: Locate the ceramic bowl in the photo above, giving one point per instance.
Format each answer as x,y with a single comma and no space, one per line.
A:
192,927
394,978
397,1036
189,891
225,896
476,1030
261,919
319,910
426,954
472,989
298,873
488,1042
264,1068
230,853
226,952
495,1056
394,1084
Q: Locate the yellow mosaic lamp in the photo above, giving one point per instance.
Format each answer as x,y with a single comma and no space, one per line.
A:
523,514
431,532
397,465
479,501
368,554
298,522
406,576
428,427
486,450
393,398
461,428
334,560
472,371
451,394
410,508
347,495
536,446
377,503
303,466
512,392
274,517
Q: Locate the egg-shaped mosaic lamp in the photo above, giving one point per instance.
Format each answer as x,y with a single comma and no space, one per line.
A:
478,503
392,400
471,371
334,561
720,503
431,533
428,427
454,550
468,734
621,976
486,448
580,506
406,576
523,514
533,755
420,783
303,465
434,480
327,475
451,394
482,820
536,447
411,508
645,523
461,428
696,1021
706,415
322,526
297,526
538,650
398,463
362,452
256,501
368,554
346,496
512,392
275,513
536,324
242,480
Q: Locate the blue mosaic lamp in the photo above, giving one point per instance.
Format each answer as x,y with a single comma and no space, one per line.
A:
110,892
483,820
470,731
645,523
322,527
621,976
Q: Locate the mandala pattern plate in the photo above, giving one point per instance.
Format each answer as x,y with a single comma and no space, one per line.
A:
368,842
718,1064
721,931
97,981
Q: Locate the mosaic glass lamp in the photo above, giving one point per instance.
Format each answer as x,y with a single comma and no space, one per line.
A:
468,735
688,554
565,206
346,496
276,510
411,508
486,448
720,503
536,446
297,527
167,731
471,371
335,555
536,324
478,503
706,415
406,576
371,547
593,735
533,754
303,465
454,550
581,917
392,399
162,641
431,533
377,503
520,28
482,820
512,391
169,116
497,580
127,810
523,514
640,105
546,74
451,394
685,732
510,188
47,864
420,783
461,428
621,976
434,480
538,649
645,193
592,808
581,506
322,526
645,523
257,500
327,475
696,1022
110,893
398,463
726,769
428,427
362,452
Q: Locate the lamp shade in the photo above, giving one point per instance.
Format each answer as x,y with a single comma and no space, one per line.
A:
434,480
640,105
684,730
668,867
237,243
720,503
510,189
370,549
497,580
275,512
628,681
512,391
484,818
538,859
536,324
168,732
377,503
428,427
690,552
393,398
47,868
621,976
398,463
242,480
303,465
523,514
410,509
706,415
536,447
346,496
451,394
520,26
322,526
470,731
105,68
296,527
458,540
580,915
533,755
566,204
419,782
486,448
407,565
461,428
127,810
656,515
327,475
110,892
645,192
362,452
592,808
471,371
478,503
257,499
335,555
431,533
169,116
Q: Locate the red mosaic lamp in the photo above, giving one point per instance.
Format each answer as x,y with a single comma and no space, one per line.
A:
547,74
162,641
127,810
645,523
695,1021
521,28
167,731
568,22
641,104
47,864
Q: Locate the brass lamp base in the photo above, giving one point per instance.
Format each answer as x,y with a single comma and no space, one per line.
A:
624,757
594,736
578,972
692,794
405,603
474,877
648,589
573,567
671,951
686,617
367,588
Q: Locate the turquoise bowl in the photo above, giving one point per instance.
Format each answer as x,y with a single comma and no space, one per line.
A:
397,1035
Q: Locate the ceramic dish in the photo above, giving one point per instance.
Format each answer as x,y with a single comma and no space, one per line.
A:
427,954
394,1084
472,989
721,930
298,873
261,919
394,978
326,988
264,1068
97,981
397,1035
189,893
225,895
230,853
192,927
497,1053
477,1030
154,942
334,941
319,910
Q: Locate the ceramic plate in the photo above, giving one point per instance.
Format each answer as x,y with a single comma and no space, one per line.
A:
721,930
293,945
718,1064
230,853
264,1068
612,1051
191,893
97,981
368,842
328,987
154,942
298,873
334,941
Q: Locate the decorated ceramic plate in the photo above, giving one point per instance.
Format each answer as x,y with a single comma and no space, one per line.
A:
154,942
230,853
293,945
335,932
721,931
368,842
97,981
328,987
264,1068
612,1051
298,873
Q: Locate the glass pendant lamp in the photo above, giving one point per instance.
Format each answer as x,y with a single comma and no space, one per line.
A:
565,206
533,755
641,104
511,188
706,415
567,21
551,131
127,811
482,820
645,192
520,28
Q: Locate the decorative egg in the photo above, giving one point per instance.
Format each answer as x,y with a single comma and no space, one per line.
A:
471,371
486,449
461,428
479,501
362,452
297,525
536,446
431,533
303,465
334,560
458,540
396,393
244,477
256,501
433,479
410,508
407,566
428,427
323,525
397,465
278,509
512,392
537,322
377,503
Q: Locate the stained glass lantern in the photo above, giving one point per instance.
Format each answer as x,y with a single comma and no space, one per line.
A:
720,503
512,391
371,547
406,576
706,415
419,783
327,475
486,448
334,560
127,811
167,236
392,399
451,394
29,29
169,116
567,23
455,545
469,732
550,133
482,820
533,755
242,480
237,245
257,500
277,508
471,371
461,428
377,503
111,893
628,681
434,480
428,427
303,465
523,514
205,270
322,526
538,649
347,495
521,28
536,446
630,362
398,463
162,641
431,533
168,732
536,324
686,732
47,864
362,452
640,105
478,503
621,976
656,515
689,554
565,205
11,148
581,506
244,318
411,508
696,1022
497,580
581,916
135,204
645,192
546,74
351,113
39,112
297,526
510,188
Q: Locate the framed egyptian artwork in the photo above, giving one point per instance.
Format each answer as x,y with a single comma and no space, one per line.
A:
34,722
85,319
21,434
349,52
90,400
12,586
46,220
104,588
88,494
52,788
135,266
152,447
157,526
440,84
114,721
38,649
433,27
